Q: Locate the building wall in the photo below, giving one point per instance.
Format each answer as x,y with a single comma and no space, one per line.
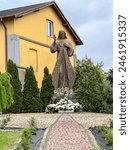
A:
33,27
37,56
2,49
9,24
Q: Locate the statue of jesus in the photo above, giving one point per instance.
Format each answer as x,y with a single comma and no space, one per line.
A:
63,73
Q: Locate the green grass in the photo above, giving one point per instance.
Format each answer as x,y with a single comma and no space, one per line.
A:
8,138
108,134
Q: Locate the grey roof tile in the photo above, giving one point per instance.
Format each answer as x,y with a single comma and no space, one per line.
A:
22,10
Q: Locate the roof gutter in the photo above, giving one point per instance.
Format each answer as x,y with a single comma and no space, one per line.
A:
5,30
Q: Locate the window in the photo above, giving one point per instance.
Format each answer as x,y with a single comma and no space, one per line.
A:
50,28
33,59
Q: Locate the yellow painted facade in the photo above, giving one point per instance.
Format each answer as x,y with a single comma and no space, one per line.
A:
2,49
33,26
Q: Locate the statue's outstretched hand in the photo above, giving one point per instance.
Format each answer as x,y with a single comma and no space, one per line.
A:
54,37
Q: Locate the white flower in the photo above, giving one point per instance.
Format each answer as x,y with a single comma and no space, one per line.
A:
51,106
66,104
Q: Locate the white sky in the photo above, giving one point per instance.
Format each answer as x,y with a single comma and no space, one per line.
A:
91,19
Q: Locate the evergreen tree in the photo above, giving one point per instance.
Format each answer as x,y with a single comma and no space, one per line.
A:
17,87
109,89
89,85
6,91
31,99
110,76
47,88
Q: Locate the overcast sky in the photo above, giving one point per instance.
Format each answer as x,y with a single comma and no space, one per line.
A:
92,20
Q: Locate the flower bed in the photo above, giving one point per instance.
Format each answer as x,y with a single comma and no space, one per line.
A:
64,105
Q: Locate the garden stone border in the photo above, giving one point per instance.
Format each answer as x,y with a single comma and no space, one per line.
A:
43,141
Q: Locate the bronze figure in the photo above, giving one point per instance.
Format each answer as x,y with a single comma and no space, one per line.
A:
63,73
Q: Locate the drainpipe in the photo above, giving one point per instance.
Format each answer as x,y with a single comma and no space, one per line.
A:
5,29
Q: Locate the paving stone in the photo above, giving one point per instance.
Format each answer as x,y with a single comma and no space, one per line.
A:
67,134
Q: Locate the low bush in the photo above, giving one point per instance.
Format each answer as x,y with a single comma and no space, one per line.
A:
27,135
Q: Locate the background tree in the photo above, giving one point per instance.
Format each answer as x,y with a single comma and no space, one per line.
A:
6,91
89,86
109,90
47,88
31,98
17,87
110,76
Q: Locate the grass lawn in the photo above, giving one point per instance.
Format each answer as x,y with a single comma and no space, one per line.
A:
8,138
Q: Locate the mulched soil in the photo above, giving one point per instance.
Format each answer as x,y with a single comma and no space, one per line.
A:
36,139
103,144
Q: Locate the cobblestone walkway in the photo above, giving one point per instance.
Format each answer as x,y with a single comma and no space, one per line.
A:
67,134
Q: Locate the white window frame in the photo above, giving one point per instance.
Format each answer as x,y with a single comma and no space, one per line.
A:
50,28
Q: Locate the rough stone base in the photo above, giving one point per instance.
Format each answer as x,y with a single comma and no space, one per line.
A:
57,96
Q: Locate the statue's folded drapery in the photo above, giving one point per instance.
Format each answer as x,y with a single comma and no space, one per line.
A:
63,74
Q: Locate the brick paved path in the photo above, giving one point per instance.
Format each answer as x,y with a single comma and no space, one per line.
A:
67,134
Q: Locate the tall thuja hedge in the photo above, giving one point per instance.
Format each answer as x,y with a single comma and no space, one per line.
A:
89,86
17,87
31,97
47,88
6,91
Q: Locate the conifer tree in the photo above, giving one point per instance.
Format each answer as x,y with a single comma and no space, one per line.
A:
6,91
31,98
47,88
17,87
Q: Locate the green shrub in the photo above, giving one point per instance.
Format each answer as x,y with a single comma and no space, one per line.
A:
33,125
47,88
17,87
89,85
108,134
26,137
6,91
31,98
109,90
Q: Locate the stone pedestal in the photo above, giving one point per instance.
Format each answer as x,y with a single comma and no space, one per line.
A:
57,96
66,111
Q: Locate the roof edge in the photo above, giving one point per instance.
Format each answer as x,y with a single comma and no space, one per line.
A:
77,40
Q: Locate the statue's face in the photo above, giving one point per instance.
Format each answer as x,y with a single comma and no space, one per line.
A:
62,34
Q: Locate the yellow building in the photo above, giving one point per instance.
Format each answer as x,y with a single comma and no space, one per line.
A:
26,34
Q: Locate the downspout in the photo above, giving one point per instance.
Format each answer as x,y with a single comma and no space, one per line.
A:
5,29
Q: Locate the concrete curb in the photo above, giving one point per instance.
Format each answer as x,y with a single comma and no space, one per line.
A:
92,140
43,141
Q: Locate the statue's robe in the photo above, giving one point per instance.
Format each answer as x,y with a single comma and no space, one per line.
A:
63,73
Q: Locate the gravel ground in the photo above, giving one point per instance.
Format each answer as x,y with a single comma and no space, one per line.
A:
22,120
67,134
45,120
92,119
